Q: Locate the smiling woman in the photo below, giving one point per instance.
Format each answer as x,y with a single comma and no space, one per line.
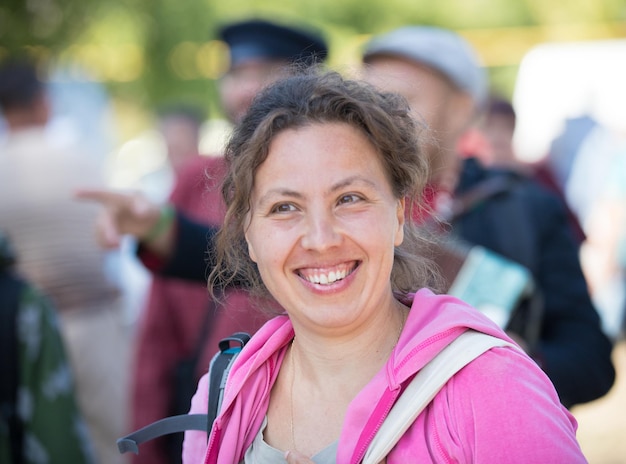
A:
323,238
321,170
380,123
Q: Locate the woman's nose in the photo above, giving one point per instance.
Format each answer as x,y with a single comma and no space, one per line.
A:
321,232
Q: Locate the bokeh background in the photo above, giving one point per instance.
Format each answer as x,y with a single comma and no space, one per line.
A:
148,52
112,63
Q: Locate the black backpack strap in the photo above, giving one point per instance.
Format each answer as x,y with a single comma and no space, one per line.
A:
218,370
11,288
159,428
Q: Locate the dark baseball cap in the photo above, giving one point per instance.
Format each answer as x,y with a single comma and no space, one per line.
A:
257,38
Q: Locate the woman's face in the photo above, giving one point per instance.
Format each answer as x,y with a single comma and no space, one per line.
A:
323,226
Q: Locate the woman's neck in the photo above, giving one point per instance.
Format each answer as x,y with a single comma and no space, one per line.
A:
327,361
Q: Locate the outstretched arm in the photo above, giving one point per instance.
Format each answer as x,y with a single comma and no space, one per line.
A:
131,214
170,244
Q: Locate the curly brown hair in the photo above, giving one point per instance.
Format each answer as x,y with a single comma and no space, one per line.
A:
314,97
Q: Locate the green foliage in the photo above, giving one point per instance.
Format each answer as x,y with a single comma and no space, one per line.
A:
144,49
41,24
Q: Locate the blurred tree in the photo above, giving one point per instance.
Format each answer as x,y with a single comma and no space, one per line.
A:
154,51
42,23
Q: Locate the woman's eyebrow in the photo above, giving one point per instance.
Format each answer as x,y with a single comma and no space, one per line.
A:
356,179
279,192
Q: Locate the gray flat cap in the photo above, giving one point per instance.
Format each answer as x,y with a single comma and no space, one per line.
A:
440,49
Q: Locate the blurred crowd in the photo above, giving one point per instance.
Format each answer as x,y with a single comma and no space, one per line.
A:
112,267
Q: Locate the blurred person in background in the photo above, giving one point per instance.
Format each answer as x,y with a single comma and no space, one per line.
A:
439,74
565,146
585,164
39,418
53,236
180,326
604,252
178,127
495,128
596,157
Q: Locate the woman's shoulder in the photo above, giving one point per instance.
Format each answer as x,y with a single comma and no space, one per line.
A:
504,371
505,390
502,408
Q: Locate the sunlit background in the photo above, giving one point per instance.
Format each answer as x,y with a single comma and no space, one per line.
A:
112,64
148,53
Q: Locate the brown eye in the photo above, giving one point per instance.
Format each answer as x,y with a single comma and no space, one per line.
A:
283,208
351,198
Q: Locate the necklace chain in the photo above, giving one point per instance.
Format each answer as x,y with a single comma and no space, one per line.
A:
293,374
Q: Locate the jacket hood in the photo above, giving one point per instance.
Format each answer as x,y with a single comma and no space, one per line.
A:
433,323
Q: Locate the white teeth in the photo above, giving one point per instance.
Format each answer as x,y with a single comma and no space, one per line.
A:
325,279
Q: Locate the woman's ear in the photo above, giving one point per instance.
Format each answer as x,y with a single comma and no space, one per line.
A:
400,212
251,252
246,225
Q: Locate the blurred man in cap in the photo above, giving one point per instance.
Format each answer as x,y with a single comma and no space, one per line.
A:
180,328
440,76
259,51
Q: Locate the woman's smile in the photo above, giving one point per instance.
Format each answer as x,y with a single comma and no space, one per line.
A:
327,276
324,223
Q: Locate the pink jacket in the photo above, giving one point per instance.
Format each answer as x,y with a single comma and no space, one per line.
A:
499,408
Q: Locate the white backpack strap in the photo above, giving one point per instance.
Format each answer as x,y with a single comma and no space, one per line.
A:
424,386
